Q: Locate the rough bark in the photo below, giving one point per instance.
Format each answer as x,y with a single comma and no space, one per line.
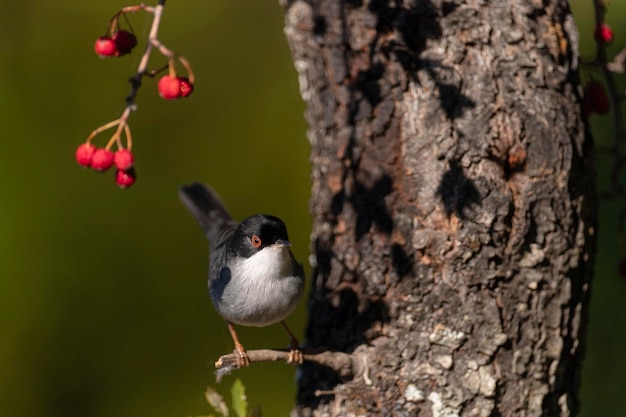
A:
452,204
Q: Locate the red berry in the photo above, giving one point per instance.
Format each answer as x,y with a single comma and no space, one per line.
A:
84,153
124,159
595,100
125,41
186,87
105,46
125,178
169,87
102,159
603,33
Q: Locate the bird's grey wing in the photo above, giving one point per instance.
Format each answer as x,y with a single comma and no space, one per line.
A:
207,208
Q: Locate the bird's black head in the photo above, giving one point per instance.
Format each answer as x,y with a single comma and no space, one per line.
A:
255,233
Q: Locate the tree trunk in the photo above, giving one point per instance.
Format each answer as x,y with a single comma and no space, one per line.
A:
453,205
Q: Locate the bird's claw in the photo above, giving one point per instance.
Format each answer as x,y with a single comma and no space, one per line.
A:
295,356
242,356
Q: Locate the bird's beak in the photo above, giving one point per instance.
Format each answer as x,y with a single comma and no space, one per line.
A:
282,243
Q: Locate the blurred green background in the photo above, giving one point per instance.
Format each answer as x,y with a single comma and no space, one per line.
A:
103,302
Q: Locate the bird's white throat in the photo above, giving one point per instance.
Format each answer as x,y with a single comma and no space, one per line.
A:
272,262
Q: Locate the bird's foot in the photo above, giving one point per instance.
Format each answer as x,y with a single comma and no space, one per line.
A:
295,356
242,356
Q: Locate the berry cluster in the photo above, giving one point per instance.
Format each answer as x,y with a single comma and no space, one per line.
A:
101,159
121,43
171,88
117,42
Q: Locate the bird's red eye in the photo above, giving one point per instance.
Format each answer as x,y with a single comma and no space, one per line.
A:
256,241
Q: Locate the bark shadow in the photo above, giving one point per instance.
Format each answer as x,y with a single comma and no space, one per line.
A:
416,26
357,323
457,192
368,202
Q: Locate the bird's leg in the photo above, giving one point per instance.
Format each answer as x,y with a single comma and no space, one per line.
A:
242,356
295,354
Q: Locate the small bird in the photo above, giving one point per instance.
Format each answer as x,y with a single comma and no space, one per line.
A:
254,279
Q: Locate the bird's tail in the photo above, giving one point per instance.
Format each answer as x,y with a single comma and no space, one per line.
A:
207,208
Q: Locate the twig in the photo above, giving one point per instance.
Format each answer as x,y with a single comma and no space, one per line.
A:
340,362
143,62
616,99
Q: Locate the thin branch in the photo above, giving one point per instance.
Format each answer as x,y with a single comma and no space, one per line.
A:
143,62
340,362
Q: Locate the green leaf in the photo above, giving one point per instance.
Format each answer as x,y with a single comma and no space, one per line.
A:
216,401
240,402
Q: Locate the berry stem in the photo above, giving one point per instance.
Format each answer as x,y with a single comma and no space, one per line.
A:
115,138
143,63
133,9
141,71
171,67
135,81
122,123
129,139
113,23
102,129
171,55
616,99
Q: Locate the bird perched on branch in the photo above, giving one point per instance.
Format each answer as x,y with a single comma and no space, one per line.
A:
254,279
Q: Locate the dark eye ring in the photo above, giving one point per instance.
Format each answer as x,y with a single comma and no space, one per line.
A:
256,241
